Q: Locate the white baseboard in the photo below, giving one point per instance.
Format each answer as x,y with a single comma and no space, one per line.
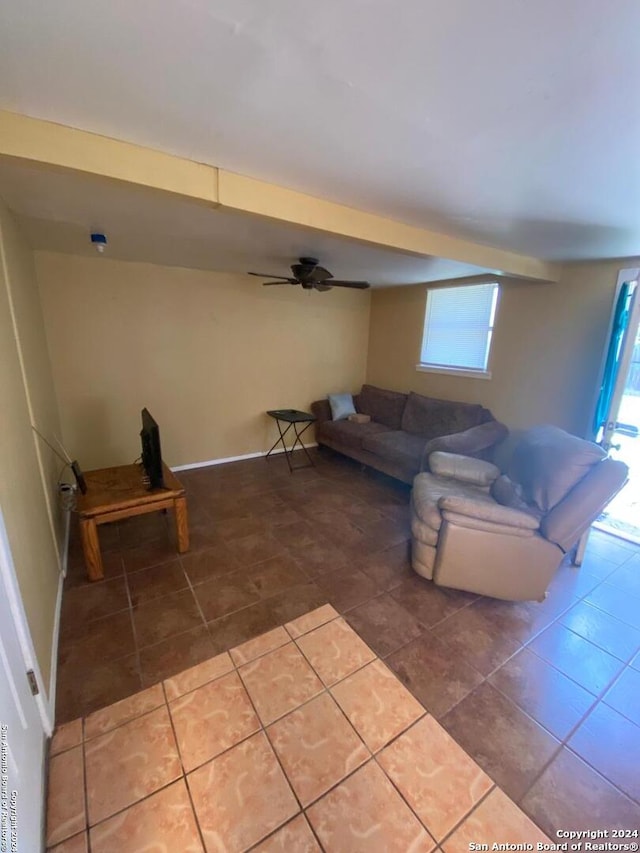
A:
64,563
222,461
53,679
64,556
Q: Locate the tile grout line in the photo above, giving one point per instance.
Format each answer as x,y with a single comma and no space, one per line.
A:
134,803
301,814
522,647
263,730
184,773
371,754
197,601
146,796
399,792
564,742
136,645
485,796
85,788
598,697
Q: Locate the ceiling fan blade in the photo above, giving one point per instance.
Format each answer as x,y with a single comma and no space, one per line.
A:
267,275
286,281
358,285
322,287
319,274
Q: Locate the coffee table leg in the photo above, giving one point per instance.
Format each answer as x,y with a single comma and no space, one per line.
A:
182,524
91,549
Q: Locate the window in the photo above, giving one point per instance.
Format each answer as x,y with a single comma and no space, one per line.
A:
458,328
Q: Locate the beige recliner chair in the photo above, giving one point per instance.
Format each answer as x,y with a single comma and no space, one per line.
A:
504,535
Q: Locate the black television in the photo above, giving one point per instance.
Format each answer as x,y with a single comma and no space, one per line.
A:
151,453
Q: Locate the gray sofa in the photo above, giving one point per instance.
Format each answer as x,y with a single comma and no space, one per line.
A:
405,428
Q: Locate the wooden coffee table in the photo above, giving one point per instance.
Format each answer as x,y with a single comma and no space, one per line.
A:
117,493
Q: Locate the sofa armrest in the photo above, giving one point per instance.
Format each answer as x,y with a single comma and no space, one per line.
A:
494,513
321,410
467,469
470,442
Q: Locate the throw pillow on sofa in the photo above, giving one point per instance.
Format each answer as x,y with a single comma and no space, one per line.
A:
341,406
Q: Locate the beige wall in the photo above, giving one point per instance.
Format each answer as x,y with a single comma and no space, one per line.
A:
546,353
28,469
207,353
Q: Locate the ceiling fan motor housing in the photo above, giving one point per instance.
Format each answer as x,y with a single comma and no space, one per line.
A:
304,269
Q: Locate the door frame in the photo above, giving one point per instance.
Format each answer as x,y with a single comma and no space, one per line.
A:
628,345
624,275
9,580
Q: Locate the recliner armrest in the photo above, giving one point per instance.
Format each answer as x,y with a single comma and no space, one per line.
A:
467,469
495,513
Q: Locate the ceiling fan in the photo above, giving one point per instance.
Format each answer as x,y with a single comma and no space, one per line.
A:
311,276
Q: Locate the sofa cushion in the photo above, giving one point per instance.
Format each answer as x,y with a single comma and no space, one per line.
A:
430,418
348,433
548,462
398,447
385,407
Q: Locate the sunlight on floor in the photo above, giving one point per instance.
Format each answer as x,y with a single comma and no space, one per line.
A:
622,516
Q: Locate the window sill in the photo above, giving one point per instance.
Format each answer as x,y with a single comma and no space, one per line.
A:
454,371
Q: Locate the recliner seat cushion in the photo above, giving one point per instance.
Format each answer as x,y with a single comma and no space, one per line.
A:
396,446
428,489
431,418
385,407
348,433
548,462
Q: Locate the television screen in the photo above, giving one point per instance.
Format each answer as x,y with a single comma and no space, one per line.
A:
151,453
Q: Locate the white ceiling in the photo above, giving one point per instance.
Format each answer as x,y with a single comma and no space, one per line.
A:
512,122
59,210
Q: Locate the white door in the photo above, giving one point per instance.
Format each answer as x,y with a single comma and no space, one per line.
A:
22,733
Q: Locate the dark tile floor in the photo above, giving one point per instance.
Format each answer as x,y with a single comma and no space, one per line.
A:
546,697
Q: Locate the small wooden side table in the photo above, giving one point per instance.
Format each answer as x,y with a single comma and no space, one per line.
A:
117,493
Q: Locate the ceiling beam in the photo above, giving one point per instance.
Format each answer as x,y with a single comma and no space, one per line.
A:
58,146
249,195
53,145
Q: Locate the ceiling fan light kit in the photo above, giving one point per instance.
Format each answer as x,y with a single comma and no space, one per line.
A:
311,276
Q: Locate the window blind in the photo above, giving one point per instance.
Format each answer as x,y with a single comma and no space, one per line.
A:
459,325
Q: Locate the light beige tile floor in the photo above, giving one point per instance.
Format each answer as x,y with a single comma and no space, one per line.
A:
299,740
